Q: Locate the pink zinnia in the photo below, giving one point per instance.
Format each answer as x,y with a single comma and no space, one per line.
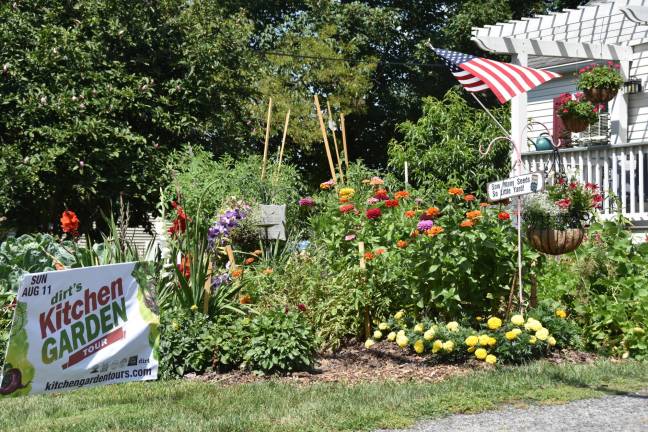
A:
424,225
346,208
307,202
372,201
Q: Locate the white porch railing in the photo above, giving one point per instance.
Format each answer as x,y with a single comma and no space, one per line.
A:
620,170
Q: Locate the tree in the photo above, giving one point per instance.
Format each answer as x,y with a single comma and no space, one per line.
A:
97,93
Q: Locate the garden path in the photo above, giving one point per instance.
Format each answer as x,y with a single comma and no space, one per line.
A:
622,413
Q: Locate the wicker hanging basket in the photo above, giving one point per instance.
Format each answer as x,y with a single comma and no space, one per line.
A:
599,95
555,242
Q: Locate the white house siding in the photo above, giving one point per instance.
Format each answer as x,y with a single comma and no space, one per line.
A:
638,103
540,102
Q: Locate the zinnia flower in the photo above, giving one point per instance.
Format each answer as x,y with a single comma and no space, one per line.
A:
424,225
248,261
503,216
434,231
381,194
469,197
372,201
380,251
237,273
307,202
327,185
376,181
373,213
391,203
70,222
368,256
432,212
347,192
245,299
483,204
402,244
349,237
455,191
410,213
467,223
346,208
473,214
401,194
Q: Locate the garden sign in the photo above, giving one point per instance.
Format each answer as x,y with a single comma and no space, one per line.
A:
515,186
82,327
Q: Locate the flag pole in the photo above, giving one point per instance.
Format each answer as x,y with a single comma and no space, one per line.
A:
492,116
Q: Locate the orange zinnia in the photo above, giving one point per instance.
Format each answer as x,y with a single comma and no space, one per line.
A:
267,271
436,229
432,211
401,244
469,197
257,252
368,256
344,200
380,251
401,194
237,273
483,204
467,223
455,191
245,299
410,213
473,214
249,261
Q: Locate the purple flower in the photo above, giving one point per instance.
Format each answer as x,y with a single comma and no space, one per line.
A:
226,222
218,281
307,202
424,225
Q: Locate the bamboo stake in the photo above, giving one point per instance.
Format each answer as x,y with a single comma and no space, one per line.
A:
344,142
230,257
337,150
207,289
326,143
267,140
283,142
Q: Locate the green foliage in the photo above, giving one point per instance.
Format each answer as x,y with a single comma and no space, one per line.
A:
600,77
279,341
96,94
442,146
603,284
186,343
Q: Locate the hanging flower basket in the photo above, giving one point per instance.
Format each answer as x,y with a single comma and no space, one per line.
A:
575,124
600,95
554,241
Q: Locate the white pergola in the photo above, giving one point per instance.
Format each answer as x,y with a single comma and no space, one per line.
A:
601,30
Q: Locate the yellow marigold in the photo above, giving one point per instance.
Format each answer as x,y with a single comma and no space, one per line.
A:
551,341
518,320
510,335
402,341
492,341
194,308
418,328
391,337
455,191
434,231
383,326
481,353
479,318
467,223
533,340
452,326
490,359
471,341
517,331
400,333
483,340
560,313
542,334
437,345
429,334
448,346
369,343
473,214
419,346
471,349
494,323
377,335
399,315
533,325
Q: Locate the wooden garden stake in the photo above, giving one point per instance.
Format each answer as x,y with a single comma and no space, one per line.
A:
326,143
230,257
344,142
207,289
406,175
363,266
283,141
337,150
267,140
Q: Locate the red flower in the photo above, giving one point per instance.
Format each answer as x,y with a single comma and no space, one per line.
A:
591,186
70,222
562,180
391,203
381,194
346,208
373,213
379,251
573,185
180,222
301,307
503,216
402,244
563,203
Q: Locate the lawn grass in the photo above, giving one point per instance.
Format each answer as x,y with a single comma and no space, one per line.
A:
272,406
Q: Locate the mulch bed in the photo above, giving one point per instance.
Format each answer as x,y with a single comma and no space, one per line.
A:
383,362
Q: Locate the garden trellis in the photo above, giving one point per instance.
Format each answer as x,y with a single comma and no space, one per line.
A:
506,81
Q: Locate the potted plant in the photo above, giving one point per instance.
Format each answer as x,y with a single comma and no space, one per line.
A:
555,218
576,112
600,83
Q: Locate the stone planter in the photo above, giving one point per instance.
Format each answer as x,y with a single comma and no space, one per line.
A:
555,242
599,95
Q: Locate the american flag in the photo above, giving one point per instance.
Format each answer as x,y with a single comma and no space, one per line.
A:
504,79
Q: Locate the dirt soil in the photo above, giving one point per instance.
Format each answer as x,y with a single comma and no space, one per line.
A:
384,361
